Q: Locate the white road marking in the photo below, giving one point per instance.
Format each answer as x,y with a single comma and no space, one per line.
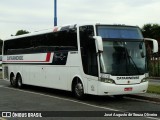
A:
63,99
153,118
105,108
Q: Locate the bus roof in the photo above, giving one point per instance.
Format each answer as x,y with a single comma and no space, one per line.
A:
58,28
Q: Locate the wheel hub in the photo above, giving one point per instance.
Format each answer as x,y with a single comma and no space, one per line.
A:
79,89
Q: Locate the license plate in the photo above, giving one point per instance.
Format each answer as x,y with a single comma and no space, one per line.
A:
128,89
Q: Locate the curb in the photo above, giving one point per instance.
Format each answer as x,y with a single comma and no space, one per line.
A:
156,78
145,98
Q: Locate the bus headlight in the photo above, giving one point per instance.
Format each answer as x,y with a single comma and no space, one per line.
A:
144,80
107,80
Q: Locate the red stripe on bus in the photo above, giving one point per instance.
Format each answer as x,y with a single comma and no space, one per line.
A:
23,61
48,56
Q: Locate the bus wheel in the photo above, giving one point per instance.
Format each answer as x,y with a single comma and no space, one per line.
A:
13,81
19,81
79,90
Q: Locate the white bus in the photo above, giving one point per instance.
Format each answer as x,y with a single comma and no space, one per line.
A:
85,59
0,62
1,44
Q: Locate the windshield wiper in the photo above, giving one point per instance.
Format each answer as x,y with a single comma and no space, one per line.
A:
130,58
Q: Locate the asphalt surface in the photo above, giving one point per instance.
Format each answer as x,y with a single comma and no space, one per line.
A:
32,98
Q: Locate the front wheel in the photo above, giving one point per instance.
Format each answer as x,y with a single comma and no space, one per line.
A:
79,90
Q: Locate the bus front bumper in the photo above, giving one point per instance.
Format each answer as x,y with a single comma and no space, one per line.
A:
113,89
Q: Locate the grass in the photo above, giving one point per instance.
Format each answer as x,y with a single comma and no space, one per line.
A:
0,74
154,89
154,68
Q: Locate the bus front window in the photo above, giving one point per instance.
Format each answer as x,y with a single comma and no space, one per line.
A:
122,58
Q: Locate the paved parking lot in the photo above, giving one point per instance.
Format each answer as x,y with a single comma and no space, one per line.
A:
37,99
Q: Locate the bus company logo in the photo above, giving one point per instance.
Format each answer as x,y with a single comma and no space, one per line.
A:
14,57
126,78
61,56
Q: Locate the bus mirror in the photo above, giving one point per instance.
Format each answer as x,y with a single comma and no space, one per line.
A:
154,44
99,43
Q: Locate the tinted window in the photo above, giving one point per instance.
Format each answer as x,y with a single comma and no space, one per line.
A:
62,40
88,50
119,32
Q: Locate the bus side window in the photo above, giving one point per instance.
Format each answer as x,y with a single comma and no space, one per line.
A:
64,39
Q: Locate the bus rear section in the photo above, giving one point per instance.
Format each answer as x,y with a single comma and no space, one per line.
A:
42,59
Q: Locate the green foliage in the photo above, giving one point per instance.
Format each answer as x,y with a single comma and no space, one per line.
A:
154,68
21,32
1,41
0,74
151,31
154,89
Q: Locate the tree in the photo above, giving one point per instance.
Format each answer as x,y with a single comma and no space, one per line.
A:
151,31
21,32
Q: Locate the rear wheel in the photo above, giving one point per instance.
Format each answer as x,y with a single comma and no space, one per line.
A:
79,90
13,81
19,81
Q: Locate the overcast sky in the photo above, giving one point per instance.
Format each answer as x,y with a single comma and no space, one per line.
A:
32,15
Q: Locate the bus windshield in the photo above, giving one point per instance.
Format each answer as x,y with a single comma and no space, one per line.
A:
119,32
123,58
124,50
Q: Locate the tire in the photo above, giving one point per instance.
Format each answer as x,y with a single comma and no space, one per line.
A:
13,81
79,90
19,82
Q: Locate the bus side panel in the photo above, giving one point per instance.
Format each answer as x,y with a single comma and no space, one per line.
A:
77,72
75,68
56,77
37,75
92,85
26,74
5,72
50,76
